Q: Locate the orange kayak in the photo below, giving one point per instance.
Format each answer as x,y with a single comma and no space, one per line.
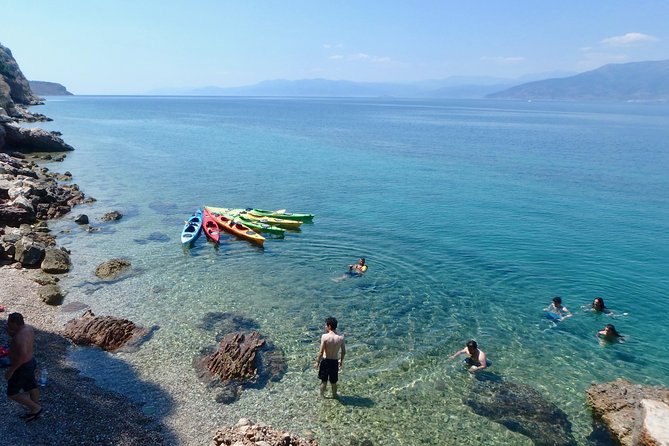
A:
238,229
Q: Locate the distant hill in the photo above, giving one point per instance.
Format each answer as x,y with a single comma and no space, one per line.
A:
42,88
635,81
460,87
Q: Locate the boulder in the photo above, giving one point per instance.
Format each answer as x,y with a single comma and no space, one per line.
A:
235,358
81,219
34,139
14,216
112,269
107,332
620,406
111,216
56,261
28,252
51,294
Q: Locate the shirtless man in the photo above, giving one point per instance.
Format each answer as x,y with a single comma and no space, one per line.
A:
557,310
477,359
327,364
21,373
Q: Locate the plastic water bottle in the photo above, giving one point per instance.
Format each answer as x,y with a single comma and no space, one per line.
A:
43,377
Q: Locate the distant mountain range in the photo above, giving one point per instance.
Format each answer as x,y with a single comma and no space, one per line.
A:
453,87
635,81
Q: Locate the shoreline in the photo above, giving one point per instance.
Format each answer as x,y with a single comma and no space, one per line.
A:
76,410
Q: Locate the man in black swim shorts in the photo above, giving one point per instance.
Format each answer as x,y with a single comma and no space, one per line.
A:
327,363
21,373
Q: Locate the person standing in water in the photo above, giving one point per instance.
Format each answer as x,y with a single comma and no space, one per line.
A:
327,363
556,310
477,359
21,373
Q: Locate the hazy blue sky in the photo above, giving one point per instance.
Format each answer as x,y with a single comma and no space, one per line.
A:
133,46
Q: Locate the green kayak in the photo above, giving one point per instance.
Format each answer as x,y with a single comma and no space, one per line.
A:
258,226
280,214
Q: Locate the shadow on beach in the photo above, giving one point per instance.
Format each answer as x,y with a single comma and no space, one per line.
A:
77,411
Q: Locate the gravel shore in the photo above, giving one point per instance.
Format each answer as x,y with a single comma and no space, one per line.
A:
76,411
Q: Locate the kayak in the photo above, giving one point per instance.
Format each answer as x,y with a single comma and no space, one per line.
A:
211,228
281,213
192,228
235,228
275,222
259,226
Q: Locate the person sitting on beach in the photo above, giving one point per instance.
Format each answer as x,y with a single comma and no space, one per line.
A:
477,359
556,310
21,373
358,268
327,363
609,334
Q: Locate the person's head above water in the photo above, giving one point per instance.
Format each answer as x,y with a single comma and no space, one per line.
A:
611,332
557,301
598,304
472,346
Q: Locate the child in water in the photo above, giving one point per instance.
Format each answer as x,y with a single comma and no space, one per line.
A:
556,310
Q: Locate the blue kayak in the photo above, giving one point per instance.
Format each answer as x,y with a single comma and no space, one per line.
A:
192,229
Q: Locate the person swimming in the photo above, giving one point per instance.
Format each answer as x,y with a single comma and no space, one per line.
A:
359,268
556,311
609,334
599,307
476,359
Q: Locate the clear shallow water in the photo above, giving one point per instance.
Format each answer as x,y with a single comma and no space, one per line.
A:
472,214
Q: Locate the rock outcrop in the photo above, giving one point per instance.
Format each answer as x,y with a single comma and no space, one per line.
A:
247,433
634,414
14,87
107,332
34,140
112,269
242,357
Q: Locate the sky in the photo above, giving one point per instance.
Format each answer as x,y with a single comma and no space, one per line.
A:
136,46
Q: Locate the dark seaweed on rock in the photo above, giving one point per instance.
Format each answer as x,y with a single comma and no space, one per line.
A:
521,409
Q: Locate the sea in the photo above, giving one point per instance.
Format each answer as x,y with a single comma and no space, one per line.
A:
471,214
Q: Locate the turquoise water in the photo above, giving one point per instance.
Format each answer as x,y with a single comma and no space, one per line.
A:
471,214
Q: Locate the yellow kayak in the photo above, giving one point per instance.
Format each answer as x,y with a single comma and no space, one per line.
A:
283,223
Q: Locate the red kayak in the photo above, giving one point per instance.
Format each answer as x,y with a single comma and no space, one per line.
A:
210,226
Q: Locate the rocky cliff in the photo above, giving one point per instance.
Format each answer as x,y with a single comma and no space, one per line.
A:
14,87
15,97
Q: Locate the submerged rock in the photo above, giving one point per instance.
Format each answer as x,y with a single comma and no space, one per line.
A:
112,269
107,332
521,409
634,414
111,216
242,358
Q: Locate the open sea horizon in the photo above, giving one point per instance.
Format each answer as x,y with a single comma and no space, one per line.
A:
472,215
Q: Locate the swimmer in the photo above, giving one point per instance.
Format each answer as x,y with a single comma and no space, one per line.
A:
599,307
556,310
358,268
609,334
477,359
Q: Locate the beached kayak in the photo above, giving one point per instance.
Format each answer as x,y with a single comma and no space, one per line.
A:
276,222
210,226
282,214
192,229
228,224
